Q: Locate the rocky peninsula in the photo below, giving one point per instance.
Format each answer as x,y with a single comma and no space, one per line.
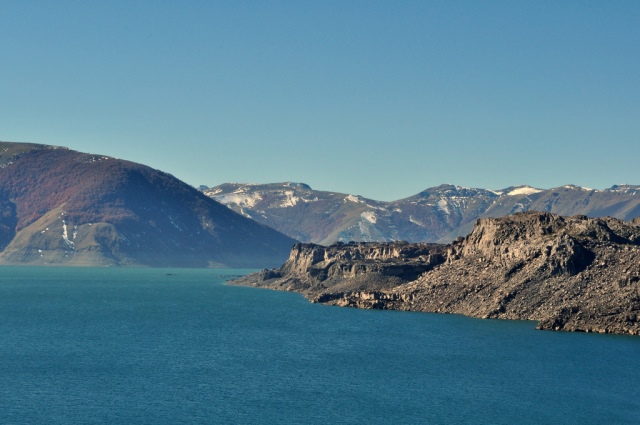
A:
567,273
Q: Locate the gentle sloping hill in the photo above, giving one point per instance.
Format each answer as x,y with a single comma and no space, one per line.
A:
59,206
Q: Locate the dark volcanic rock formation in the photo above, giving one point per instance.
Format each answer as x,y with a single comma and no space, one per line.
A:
568,273
316,270
59,206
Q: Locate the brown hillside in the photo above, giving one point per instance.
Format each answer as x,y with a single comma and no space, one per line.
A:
158,219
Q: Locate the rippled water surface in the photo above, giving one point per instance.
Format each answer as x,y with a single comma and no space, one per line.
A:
178,346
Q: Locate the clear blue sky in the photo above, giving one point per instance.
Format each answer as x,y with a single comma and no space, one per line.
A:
377,98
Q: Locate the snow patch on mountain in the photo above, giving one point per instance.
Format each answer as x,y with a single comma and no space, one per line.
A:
93,158
443,206
524,190
290,199
573,186
369,216
65,235
242,199
355,199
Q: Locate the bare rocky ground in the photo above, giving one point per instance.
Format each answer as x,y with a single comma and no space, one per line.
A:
566,273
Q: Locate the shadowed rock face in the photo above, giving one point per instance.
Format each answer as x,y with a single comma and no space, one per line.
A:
568,273
317,270
522,238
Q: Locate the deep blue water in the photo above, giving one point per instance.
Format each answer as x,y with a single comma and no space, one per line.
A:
142,346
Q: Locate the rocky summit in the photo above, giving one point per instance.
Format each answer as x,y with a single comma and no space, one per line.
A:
567,273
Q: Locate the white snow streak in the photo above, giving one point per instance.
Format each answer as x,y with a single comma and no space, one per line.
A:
524,190
443,206
65,235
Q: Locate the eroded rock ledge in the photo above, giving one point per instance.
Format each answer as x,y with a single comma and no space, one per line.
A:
567,273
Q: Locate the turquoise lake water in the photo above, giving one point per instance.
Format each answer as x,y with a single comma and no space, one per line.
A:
158,346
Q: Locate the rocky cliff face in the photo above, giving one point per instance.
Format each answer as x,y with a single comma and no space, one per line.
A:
568,273
317,270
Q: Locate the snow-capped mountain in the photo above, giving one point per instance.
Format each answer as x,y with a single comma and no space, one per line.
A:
438,214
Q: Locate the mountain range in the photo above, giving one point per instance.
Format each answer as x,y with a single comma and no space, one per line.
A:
438,214
59,206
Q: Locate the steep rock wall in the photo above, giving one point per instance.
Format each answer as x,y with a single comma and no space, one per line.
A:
568,273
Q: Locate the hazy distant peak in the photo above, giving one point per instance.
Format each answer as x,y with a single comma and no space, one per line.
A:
439,213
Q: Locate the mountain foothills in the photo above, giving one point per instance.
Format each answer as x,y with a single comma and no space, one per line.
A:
59,206
568,273
438,214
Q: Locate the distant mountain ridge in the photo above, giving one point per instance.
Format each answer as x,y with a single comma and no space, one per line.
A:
59,206
437,214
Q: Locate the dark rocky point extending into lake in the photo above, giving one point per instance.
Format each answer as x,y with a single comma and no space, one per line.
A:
568,273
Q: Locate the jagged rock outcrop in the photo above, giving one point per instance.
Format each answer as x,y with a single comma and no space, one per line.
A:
568,273
315,270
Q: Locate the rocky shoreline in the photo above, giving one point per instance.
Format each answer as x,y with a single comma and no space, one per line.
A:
567,273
